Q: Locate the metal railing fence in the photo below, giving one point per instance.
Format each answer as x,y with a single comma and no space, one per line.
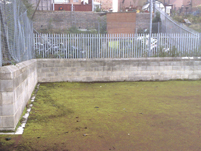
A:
16,32
116,45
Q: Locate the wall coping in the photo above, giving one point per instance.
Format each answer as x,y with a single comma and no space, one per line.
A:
123,59
12,70
18,66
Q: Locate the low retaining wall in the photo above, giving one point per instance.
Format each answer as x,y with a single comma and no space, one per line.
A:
17,82
83,70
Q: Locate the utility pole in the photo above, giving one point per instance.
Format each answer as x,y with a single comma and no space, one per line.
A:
92,5
53,5
154,9
150,27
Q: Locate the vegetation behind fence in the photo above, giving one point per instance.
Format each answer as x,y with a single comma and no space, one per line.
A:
116,45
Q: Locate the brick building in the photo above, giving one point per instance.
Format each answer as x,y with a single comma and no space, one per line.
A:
78,5
196,3
123,4
180,3
128,5
106,5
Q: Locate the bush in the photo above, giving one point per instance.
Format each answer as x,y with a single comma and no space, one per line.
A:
29,7
157,18
171,53
97,9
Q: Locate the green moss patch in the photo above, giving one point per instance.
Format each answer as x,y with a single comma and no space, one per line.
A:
114,116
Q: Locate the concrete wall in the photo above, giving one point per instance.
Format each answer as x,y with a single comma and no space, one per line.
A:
82,70
17,83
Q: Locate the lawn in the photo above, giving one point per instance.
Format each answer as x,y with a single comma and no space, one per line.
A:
124,116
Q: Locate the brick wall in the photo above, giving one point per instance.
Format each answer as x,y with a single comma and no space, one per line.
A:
65,19
142,20
61,20
123,22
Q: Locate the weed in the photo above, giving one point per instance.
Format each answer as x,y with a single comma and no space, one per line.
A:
30,8
173,52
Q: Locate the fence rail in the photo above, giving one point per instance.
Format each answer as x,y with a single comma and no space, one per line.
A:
116,45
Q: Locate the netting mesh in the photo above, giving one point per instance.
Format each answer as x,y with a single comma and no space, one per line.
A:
168,25
16,32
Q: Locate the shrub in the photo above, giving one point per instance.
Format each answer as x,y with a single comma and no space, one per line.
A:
157,18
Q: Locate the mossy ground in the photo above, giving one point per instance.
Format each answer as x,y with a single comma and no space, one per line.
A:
123,116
